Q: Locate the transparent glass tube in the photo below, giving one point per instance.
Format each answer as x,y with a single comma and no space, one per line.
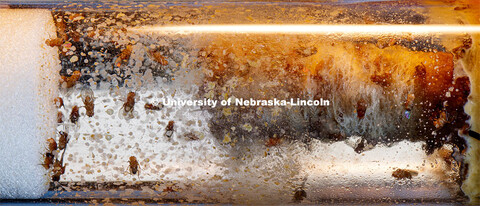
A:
239,102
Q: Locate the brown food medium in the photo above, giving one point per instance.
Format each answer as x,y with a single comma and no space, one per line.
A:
409,101
430,72
459,95
62,140
89,106
459,52
419,80
384,80
52,145
133,164
130,103
124,56
158,57
361,108
71,80
59,117
434,78
48,161
74,115
306,51
455,103
58,102
448,120
444,114
404,174
273,141
446,155
149,106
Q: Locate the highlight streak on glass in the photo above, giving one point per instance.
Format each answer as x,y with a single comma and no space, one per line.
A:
313,29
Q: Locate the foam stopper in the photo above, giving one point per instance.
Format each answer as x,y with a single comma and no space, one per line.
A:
28,84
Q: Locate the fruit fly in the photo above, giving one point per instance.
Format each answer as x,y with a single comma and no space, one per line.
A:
56,42
58,102
48,161
404,174
168,189
87,96
273,141
74,115
89,106
157,107
361,108
62,140
59,117
191,136
124,55
133,164
130,103
158,57
69,82
169,128
441,120
58,170
299,195
52,145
